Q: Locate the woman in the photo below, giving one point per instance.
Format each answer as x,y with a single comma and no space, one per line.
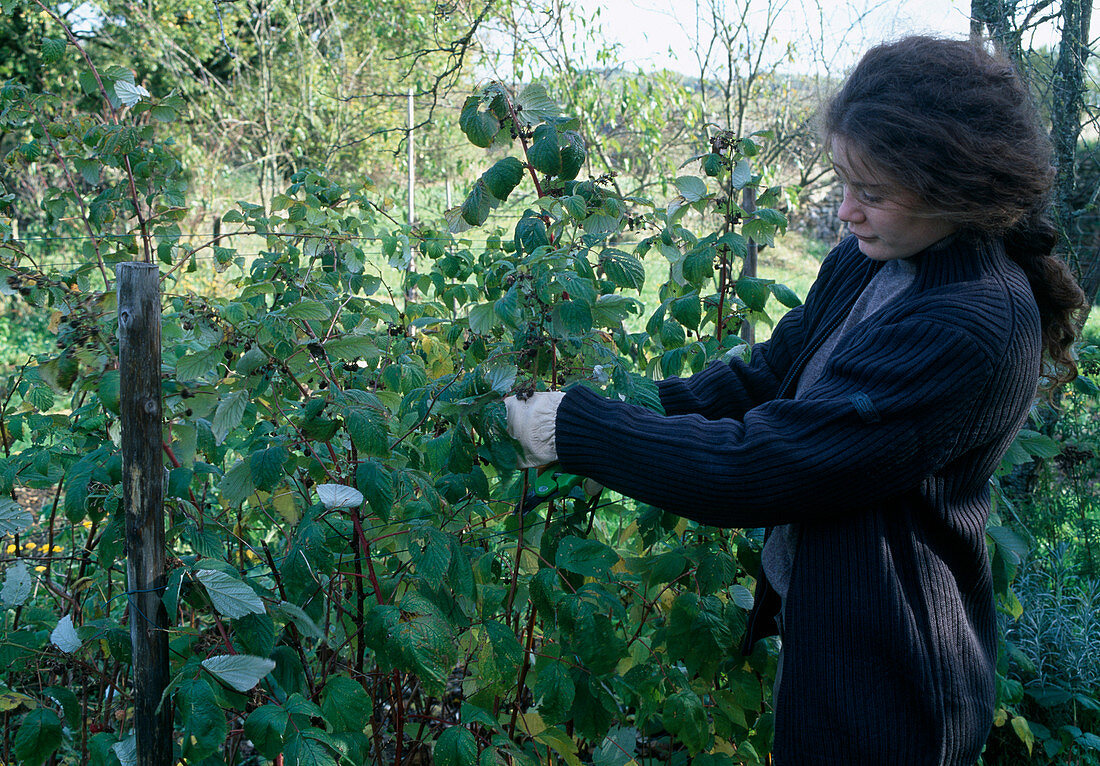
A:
865,432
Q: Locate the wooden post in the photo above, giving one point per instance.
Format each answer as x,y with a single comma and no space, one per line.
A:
142,496
748,269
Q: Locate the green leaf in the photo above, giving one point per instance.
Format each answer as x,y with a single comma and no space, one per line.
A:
544,153
230,596
753,291
530,233
241,671
306,748
1023,731
698,265
590,558
503,177
375,481
785,295
345,704
266,466
475,210
202,721
52,50
40,397
687,310
265,727
309,310
741,175
13,517
194,366
617,748
576,207
692,188
622,268
456,746
237,485
295,614
483,319
479,126
572,318
553,692
109,391
535,105
17,585
69,703
685,719
38,737
573,154
368,432
229,413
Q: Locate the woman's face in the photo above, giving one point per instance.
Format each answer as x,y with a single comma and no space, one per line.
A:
887,219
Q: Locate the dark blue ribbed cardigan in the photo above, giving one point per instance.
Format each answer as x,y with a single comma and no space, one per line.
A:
889,643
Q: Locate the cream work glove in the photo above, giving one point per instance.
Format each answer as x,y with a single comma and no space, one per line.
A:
531,422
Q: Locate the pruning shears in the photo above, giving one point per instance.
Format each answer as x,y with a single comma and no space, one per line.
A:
551,484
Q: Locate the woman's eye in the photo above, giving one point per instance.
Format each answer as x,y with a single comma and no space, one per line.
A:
870,199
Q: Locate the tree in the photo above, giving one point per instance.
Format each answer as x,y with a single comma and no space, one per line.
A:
1061,82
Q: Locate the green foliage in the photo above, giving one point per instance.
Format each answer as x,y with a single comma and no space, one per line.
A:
349,581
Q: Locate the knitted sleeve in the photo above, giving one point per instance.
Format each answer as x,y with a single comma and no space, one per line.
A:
730,390
888,411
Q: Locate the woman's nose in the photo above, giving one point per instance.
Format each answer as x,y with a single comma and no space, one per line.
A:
850,209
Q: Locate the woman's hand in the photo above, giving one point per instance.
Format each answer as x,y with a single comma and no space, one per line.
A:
532,422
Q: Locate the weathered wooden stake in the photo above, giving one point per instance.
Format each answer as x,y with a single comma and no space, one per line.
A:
143,500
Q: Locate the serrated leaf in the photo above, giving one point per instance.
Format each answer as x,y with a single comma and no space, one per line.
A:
685,719
553,692
309,310
237,485
345,704
535,105
375,481
228,414
479,126
13,517
687,310
203,722
590,558
623,269
126,750
785,295
266,466
339,496
38,737
367,433
741,175
64,636
241,671
305,748
753,291
483,319
456,746
129,93
231,597
475,210
617,748
573,154
691,188
503,177
576,206
298,616
197,365
17,584
52,50
265,727
544,153
40,397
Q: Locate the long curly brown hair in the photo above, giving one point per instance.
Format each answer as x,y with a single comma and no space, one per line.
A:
958,124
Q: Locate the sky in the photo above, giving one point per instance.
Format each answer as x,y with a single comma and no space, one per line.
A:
657,38
655,35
